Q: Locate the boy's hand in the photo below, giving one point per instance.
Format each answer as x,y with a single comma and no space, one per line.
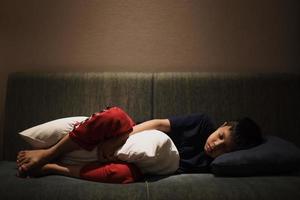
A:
107,148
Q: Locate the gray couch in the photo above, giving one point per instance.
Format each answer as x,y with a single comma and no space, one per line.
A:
32,98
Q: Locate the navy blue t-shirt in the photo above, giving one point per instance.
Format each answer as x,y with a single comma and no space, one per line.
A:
189,134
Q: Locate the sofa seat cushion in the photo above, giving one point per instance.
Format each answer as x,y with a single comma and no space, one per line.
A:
187,186
209,187
61,187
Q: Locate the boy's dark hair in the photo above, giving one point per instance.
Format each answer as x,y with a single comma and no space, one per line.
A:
245,133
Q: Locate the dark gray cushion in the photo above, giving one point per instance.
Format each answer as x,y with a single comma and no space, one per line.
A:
270,99
35,98
209,187
274,156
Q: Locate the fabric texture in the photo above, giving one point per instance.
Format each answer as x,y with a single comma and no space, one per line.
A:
189,134
109,123
230,96
34,98
111,172
185,186
274,156
63,187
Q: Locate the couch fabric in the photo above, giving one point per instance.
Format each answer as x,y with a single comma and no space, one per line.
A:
34,98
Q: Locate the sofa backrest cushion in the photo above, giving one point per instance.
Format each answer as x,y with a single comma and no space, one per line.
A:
35,98
272,100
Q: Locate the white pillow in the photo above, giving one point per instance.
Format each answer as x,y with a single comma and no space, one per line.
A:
152,150
49,133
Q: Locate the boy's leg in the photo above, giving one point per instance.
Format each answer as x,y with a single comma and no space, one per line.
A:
106,173
119,172
103,125
100,126
58,169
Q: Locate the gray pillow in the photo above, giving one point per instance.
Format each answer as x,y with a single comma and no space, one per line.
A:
273,156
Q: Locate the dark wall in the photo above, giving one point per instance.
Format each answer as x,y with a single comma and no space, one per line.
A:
144,35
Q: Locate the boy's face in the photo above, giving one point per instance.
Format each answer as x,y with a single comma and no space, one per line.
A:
219,142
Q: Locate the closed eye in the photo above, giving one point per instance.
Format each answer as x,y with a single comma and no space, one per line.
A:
221,135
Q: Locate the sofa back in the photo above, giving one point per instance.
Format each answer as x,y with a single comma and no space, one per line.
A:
273,100
270,99
35,98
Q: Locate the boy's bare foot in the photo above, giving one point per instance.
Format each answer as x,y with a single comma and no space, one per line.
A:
47,169
36,172
55,168
30,160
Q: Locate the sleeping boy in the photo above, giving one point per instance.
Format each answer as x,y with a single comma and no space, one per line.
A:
195,136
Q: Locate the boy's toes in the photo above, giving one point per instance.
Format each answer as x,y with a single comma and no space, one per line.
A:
20,156
23,162
23,169
21,153
21,173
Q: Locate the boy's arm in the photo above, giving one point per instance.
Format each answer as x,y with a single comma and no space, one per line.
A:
158,124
